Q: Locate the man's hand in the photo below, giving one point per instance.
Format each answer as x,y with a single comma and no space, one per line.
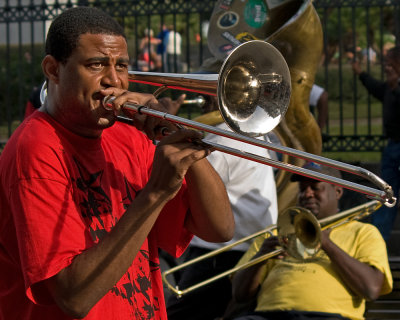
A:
270,244
175,154
151,125
172,105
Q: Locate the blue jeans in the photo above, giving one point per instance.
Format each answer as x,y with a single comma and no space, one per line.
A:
384,218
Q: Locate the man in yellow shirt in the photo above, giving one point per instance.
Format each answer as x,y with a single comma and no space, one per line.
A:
351,267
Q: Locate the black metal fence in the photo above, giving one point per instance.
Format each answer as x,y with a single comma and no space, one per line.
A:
361,30
350,27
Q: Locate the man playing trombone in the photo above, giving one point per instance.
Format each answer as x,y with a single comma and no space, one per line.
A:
352,266
86,202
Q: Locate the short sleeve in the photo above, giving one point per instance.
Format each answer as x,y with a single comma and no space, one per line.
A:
372,251
46,206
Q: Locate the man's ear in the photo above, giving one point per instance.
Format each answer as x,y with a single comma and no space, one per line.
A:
50,67
339,192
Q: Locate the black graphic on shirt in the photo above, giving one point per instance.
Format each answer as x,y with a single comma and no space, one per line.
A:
126,201
96,209
95,203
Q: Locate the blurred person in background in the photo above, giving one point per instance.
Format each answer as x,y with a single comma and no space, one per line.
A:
388,92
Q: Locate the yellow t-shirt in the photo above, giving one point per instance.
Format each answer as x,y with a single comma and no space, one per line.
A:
314,285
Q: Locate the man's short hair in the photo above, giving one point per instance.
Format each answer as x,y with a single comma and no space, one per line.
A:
312,166
65,30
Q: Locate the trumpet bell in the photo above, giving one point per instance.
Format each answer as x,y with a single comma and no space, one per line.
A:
254,89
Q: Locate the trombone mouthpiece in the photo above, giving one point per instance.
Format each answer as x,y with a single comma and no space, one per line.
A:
107,102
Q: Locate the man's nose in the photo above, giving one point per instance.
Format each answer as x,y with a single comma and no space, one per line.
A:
308,192
111,78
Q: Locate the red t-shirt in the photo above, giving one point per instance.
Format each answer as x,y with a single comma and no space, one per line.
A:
60,193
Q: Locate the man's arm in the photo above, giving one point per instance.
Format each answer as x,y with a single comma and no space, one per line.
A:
373,86
210,216
363,279
77,288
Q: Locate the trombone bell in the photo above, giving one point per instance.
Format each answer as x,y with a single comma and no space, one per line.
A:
299,233
254,89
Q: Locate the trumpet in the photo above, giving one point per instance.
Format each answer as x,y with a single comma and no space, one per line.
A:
253,90
299,234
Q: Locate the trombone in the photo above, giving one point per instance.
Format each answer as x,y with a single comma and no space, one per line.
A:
253,89
299,234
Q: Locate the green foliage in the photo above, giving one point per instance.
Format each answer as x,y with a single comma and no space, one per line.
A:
20,71
352,29
340,21
343,85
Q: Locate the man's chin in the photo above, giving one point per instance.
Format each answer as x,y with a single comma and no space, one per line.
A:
107,122
313,209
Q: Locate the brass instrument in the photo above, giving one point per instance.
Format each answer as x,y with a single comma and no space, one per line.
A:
253,91
299,234
294,28
253,87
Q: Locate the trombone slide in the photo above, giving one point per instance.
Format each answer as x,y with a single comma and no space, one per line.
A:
385,194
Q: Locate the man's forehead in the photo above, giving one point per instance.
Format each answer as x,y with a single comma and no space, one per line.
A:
308,181
103,43
91,49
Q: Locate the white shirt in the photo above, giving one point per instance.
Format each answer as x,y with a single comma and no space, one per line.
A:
251,189
315,94
174,43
